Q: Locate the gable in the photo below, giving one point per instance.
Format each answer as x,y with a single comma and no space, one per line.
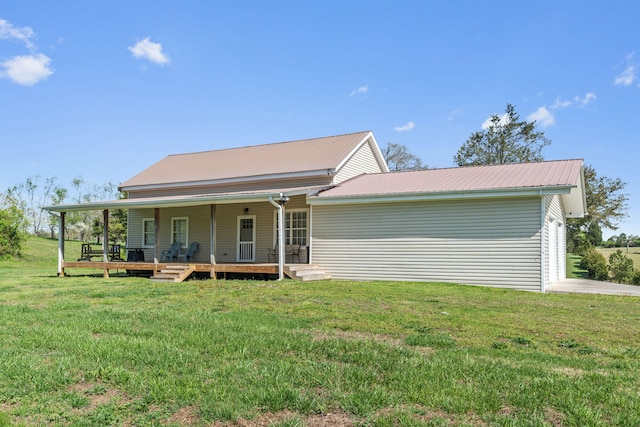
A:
367,158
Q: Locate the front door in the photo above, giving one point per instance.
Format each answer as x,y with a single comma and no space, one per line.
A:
246,239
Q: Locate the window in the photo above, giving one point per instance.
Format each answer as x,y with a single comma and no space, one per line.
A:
148,233
180,231
295,226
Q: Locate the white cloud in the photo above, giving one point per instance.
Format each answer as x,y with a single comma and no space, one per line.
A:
627,77
146,49
583,102
504,119
27,70
9,32
560,104
362,90
630,72
542,116
405,128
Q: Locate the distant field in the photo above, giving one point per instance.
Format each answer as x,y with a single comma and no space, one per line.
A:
634,254
88,351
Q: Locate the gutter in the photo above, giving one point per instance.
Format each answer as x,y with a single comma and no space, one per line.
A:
260,178
163,202
448,195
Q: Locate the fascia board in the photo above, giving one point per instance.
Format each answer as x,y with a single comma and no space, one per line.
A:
165,203
245,179
453,195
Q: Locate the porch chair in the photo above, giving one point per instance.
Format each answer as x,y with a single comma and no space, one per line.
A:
170,254
191,251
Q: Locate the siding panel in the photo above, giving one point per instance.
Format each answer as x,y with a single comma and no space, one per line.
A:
494,242
363,161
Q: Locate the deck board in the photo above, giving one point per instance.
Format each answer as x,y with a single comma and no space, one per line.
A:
150,266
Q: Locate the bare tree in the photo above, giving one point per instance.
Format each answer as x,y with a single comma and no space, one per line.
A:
399,158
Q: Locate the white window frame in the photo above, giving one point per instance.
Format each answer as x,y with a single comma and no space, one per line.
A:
287,231
173,222
145,232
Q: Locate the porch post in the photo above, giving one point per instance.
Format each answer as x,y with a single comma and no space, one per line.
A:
212,235
105,242
156,221
61,245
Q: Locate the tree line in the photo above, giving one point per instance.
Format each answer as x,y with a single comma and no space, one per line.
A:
22,212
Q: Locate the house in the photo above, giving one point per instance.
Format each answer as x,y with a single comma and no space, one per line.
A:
498,225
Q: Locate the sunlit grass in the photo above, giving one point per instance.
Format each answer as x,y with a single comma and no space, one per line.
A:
124,351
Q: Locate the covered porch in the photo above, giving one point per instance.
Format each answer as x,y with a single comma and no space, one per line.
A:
213,220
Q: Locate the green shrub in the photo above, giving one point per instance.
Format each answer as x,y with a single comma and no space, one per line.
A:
621,267
635,279
595,264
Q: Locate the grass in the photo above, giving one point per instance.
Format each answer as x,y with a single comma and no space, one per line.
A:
88,351
574,271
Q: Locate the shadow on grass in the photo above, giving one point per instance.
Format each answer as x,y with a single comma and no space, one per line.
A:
574,271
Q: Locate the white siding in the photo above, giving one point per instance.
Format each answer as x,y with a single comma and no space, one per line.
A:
485,242
362,161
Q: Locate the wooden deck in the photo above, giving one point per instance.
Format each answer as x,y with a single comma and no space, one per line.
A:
151,267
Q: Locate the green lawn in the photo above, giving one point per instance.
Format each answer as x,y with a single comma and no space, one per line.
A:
88,351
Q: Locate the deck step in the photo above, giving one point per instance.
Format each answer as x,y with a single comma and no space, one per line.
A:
173,273
305,272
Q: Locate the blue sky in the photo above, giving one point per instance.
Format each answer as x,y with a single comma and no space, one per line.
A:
101,90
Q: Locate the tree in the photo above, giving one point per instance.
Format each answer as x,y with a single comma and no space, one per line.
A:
506,140
399,158
621,267
57,198
606,205
13,227
31,196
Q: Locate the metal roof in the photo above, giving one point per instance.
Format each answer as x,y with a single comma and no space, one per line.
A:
563,177
322,155
472,178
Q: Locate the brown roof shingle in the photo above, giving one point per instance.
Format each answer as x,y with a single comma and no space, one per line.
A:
253,161
462,179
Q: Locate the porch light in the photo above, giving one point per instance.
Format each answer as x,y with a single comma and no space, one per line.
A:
284,200
246,211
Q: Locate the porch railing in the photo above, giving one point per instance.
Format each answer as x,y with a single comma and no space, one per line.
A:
245,252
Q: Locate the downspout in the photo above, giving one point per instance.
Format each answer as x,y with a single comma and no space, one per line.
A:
543,245
280,237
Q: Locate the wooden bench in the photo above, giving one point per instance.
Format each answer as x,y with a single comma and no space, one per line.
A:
289,250
87,252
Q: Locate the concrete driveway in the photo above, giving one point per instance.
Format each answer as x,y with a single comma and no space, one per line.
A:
583,286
